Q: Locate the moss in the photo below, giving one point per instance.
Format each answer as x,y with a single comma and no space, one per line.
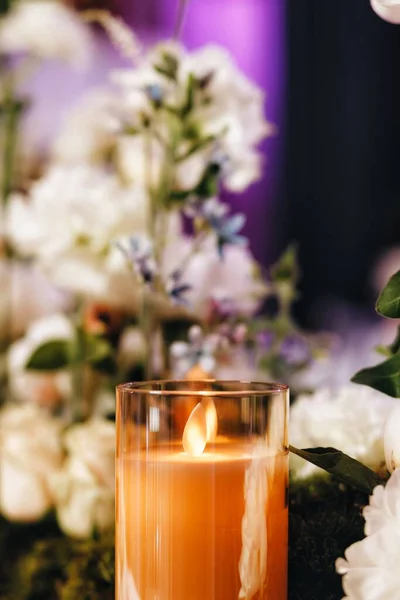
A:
39,563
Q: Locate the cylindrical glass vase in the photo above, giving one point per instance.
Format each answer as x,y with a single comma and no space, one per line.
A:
202,491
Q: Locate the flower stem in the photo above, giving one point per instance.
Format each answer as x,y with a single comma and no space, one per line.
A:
12,110
180,19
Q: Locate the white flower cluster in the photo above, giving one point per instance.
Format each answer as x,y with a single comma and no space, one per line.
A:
70,224
45,29
41,469
115,148
225,108
351,419
73,219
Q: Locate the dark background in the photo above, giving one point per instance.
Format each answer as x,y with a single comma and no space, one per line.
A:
342,171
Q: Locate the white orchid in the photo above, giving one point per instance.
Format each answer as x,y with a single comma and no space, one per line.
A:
45,29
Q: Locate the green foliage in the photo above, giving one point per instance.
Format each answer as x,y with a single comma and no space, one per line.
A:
168,66
38,563
62,354
343,467
286,270
50,356
384,377
388,303
4,6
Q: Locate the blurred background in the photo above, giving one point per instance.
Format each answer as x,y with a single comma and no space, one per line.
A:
332,182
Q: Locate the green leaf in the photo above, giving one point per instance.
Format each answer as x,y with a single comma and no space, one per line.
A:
384,377
51,356
388,303
189,103
100,354
199,145
395,346
286,269
342,466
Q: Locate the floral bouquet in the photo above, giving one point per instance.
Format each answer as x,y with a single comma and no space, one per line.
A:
122,261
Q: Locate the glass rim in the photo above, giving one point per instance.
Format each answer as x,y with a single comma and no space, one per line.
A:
266,388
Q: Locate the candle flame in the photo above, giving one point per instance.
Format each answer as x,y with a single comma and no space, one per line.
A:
194,437
211,418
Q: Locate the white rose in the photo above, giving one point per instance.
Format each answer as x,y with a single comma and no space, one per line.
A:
351,419
26,296
389,10
45,388
30,452
392,440
83,489
74,216
45,29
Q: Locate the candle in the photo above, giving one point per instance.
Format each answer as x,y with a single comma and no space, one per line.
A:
203,517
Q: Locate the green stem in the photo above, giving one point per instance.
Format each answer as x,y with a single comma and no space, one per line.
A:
78,367
12,113
12,110
180,20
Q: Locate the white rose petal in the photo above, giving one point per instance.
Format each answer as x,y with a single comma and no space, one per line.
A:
389,10
31,451
83,489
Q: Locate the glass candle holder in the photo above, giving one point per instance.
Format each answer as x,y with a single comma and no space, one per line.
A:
202,491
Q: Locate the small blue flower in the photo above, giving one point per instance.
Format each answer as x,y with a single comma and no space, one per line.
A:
295,351
176,289
227,231
155,93
140,255
200,350
215,214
